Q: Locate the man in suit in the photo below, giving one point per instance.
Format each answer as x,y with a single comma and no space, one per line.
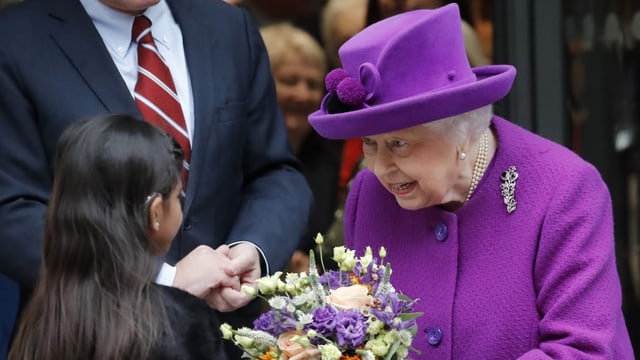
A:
66,60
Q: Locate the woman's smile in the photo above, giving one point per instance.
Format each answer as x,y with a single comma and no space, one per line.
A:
402,188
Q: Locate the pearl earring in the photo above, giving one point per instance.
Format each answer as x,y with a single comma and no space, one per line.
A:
157,225
463,155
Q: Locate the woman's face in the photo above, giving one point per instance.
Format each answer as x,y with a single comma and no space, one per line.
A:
415,165
299,86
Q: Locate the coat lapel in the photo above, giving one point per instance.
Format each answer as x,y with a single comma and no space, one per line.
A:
199,45
73,30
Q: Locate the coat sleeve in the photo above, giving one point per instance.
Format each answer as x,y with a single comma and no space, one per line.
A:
25,178
276,197
576,281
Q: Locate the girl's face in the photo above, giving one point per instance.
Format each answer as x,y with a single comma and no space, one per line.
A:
166,218
417,166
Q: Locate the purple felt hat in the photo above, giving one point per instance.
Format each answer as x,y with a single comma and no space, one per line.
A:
404,71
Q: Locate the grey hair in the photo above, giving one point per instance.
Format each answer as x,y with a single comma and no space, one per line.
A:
455,129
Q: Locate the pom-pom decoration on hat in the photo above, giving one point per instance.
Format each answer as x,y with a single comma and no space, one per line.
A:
350,91
334,77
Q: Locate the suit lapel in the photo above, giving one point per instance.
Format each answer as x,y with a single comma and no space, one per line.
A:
74,32
199,54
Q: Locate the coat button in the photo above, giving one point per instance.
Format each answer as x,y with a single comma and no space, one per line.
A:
434,336
187,225
441,232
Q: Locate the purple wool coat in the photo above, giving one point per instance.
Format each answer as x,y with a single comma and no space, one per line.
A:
539,283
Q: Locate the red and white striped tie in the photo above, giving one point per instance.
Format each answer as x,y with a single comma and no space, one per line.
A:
155,93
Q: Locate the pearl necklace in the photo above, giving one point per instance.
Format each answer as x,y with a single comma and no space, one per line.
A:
480,165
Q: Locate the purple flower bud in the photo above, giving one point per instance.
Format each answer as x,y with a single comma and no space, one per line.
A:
334,77
350,92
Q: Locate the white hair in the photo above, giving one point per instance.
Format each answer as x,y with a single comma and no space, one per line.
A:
455,129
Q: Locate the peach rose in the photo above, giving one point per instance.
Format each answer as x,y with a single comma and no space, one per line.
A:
293,351
354,297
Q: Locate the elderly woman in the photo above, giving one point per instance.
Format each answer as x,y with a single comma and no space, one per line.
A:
505,237
298,65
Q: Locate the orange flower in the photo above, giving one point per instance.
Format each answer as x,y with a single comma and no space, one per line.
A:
350,357
269,355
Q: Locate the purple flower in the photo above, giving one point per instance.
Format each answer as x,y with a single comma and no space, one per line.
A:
387,309
324,320
274,323
350,328
390,306
334,279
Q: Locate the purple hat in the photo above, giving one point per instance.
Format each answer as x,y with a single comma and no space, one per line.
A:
404,71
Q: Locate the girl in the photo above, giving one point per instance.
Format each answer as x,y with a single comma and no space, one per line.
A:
114,210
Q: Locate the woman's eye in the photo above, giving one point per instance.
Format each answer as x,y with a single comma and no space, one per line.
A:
368,142
398,143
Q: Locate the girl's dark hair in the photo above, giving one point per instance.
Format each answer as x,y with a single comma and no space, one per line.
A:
94,298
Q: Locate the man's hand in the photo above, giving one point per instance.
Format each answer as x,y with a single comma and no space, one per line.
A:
205,269
245,265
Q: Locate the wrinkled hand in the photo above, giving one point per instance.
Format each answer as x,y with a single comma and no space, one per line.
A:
205,269
245,265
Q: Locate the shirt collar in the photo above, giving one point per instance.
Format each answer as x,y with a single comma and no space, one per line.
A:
115,26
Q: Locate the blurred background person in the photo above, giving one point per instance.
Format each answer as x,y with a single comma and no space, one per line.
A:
299,65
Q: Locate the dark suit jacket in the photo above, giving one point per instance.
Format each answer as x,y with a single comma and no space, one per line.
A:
54,69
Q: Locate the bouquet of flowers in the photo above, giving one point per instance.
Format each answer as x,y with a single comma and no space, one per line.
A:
347,314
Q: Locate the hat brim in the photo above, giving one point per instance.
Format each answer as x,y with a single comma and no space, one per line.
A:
493,82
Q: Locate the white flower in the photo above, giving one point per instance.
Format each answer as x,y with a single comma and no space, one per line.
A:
244,341
366,355
383,252
402,352
339,253
291,308
349,262
319,239
405,337
374,327
329,352
269,284
304,318
226,331
249,290
367,258
292,278
380,347
278,302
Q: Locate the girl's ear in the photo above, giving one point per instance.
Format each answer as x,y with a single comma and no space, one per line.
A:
155,214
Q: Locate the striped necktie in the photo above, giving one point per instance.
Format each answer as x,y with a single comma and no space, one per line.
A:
155,93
